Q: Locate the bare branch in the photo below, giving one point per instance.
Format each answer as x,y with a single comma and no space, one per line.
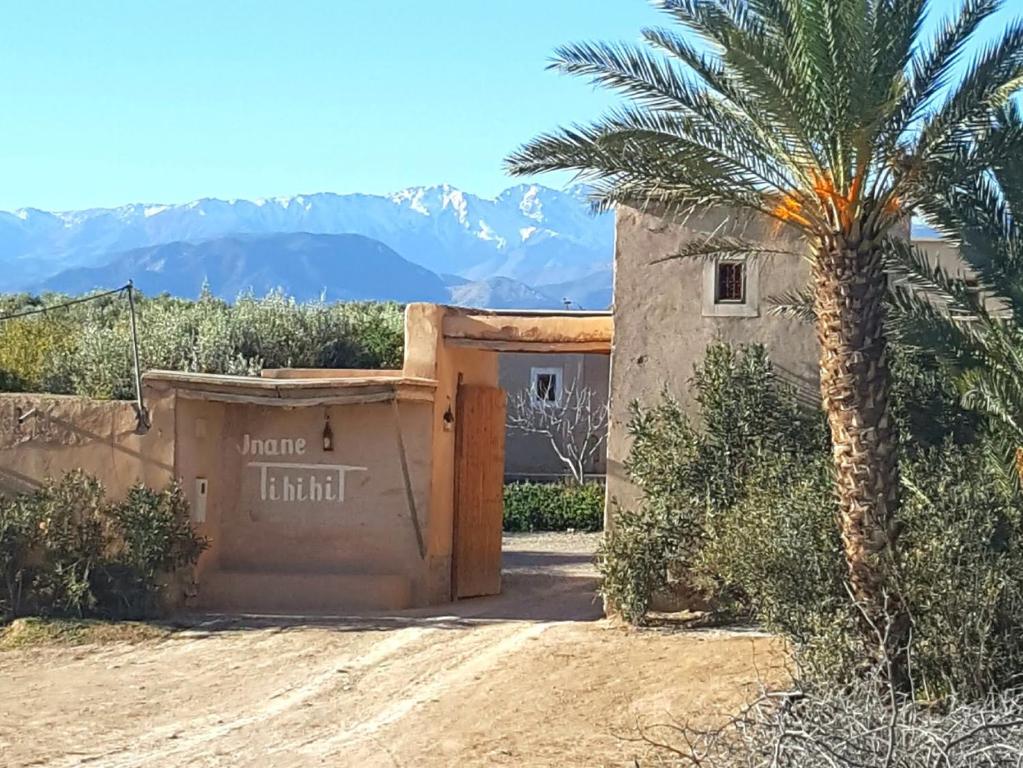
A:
574,423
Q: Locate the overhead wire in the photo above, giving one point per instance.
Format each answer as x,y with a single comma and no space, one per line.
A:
141,412
71,303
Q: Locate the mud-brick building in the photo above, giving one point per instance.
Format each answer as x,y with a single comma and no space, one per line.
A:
330,491
320,490
666,312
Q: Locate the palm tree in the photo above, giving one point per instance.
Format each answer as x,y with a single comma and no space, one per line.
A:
974,323
831,117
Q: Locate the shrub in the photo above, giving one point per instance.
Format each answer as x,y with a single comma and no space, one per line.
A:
778,557
962,571
690,471
750,520
926,404
74,534
152,538
19,532
86,349
553,507
777,553
66,550
29,351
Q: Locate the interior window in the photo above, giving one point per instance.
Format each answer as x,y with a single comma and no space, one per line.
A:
731,282
545,386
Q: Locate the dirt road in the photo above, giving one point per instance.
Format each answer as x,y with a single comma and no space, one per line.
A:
534,677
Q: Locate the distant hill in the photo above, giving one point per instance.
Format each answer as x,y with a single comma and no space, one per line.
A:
591,292
306,266
501,293
527,233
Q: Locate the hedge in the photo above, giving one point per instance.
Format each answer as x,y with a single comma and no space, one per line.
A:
553,507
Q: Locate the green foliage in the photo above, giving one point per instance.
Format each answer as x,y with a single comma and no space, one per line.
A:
553,506
66,550
925,402
835,117
962,571
19,532
690,471
973,323
153,538
760,538
86,349
72,543
776,553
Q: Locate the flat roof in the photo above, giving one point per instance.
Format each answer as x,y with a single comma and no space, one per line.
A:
292,392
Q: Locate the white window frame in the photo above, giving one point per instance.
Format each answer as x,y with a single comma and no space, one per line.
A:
749,307
559,381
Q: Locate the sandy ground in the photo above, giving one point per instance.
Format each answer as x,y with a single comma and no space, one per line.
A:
534,677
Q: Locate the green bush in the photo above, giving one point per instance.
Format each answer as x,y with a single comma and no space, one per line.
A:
152,539
778,555
761,538
962,570
19,531
86,349
690,470
553,507
926,403
66,550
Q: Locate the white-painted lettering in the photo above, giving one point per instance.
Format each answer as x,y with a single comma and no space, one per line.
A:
273,446
302,483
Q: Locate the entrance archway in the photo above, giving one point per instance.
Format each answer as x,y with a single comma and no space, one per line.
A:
480,426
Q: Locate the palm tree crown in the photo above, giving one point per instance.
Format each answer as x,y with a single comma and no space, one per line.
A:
832,117
823,114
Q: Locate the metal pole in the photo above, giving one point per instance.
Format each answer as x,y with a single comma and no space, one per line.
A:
140,407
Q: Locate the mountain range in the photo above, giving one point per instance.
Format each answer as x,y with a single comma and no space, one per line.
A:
529,247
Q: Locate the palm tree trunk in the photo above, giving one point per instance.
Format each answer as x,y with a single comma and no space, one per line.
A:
850,289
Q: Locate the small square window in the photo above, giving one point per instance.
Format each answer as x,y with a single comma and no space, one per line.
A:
731,283
545,386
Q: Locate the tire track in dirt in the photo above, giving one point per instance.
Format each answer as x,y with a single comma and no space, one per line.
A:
161,746
321,703
447,681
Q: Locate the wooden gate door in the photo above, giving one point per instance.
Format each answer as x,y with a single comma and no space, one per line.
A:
479,491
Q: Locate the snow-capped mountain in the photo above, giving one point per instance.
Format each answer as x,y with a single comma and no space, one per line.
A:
529,233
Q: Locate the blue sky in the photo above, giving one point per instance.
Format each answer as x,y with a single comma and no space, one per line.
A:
112,102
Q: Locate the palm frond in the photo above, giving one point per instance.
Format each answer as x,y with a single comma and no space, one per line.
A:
993,76
796,304
724,246
914,267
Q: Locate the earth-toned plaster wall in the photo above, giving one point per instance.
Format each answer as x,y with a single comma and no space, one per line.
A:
296,527
250,455
428,356
531,455
662,327
57,434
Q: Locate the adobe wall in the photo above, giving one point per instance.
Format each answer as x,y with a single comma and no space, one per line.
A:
661,329
323,528
428,356
98,436
249,452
